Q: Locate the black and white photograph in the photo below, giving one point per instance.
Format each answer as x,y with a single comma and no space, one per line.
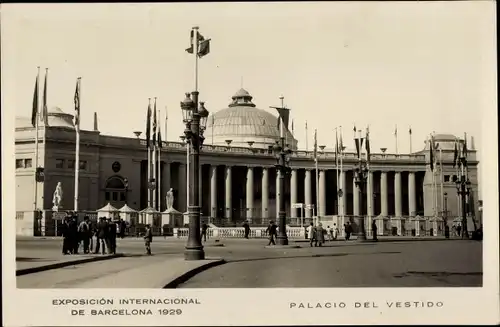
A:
157,155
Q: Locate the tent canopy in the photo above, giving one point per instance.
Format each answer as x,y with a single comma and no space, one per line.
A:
127,209
107,208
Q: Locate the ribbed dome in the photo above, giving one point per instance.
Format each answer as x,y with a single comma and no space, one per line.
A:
242,122
56,118
444,141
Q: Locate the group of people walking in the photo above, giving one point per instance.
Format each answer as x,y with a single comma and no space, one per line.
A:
95,238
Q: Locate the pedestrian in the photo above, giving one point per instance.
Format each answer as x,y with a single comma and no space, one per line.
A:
310,234
102,231
204,229
111,236
319,235
446,231
272,231
335,231
123,227
85,234
330,233
246,227
374,230
65,232
148,238
459,229
347,230
74,236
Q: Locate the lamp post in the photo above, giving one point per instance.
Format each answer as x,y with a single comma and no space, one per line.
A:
360,177
463,190
282,153
445,214
125,181
195,120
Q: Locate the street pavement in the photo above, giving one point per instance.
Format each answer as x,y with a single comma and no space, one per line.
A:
338,264
395,264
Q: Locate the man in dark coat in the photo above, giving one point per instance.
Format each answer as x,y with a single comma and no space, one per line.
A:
446,231
347,230
84,229
75,242
111,237
272,231
204,229
374,230
65,233
148,238
246,227
102,234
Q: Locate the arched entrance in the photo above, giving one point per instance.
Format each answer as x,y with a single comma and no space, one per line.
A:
115,191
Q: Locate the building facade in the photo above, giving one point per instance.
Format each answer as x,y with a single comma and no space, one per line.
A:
238,174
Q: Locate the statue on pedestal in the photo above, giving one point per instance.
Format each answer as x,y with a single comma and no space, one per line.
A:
170,198
57,197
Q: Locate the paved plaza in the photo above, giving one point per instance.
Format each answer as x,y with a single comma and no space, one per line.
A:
247,263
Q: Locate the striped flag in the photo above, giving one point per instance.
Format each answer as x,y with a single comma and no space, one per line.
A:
367,145
455,154
148,125
34,112
154,124
431,152
465,150
159,138
77,103
45,117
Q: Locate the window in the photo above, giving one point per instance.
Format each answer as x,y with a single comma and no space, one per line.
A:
446,178
60,163
71,164
455,178
28,163
122,196
83,165
107,196
19,163
115,196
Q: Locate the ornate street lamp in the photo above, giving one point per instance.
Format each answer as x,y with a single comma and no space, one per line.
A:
125,181
446,207
463,190
151,184
282,154
195,120
360,177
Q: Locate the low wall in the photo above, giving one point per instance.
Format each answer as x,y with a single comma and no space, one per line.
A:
239,232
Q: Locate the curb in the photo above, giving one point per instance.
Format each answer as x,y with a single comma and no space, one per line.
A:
26,271
387,240
191,273
289,246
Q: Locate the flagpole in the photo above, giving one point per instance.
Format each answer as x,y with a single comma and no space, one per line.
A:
396,137
149,159
159,163
155,158
341,174
317,175
411,149
337,154
441,177
35,200
77,146
45,112
307,138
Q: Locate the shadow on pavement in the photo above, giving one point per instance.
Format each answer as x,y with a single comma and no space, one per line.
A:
310,256
24,259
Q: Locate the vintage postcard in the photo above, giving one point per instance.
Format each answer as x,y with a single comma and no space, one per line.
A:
249,163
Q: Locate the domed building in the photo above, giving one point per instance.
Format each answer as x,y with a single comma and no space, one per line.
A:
242,124
238,176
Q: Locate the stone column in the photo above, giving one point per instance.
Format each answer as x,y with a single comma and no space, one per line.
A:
165,181
183,189
355,198
307,193
265,193
293,194
228,202
398,205
249,194
384,203
200,190
322,193
213,191
411,194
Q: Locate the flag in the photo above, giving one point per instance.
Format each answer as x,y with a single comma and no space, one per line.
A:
34,112
77,103
203,45
341,142
284,114
154,125
159,138
431,152
336,146
367,146
315,144
148,125
292,126
45,116
396,131
204,48
465,145
356,141
455,154
409,130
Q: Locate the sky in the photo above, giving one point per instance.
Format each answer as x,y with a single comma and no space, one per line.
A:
427,65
